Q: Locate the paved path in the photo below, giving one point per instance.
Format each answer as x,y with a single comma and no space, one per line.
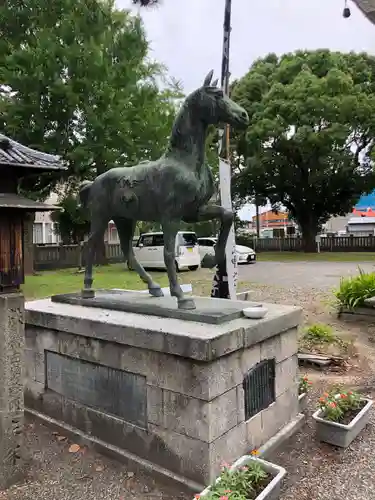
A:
322,275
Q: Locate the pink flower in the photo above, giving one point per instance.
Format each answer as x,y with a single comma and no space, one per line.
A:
224,498
245,468
224,465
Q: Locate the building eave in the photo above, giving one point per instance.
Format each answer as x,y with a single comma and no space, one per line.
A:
14,154
14,201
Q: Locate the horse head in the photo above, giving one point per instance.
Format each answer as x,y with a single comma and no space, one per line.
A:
212,106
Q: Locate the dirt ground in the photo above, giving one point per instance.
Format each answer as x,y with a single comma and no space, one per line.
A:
310,285
54,473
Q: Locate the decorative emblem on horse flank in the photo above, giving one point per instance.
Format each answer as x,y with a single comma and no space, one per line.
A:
126,182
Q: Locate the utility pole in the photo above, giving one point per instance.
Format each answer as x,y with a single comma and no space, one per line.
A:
224,282
257,217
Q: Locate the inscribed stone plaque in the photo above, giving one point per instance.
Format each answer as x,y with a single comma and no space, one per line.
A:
110,390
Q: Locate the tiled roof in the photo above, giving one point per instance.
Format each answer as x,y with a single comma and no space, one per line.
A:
368,8
15,154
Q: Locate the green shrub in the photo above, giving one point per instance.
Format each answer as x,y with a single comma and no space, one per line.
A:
352,292
319,333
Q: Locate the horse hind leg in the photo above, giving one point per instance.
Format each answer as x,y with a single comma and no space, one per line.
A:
125,229
97,230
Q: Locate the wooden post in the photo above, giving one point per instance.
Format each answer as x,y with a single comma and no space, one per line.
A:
28,243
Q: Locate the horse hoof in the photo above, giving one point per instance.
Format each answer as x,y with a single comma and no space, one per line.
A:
156,292
88,293
188,304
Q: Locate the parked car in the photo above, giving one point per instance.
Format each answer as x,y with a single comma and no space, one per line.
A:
149,251
245,255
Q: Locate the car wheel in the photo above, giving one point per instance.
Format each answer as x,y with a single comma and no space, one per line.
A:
193,268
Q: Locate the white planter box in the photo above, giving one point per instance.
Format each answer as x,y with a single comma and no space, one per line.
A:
340,434
272,491
302,402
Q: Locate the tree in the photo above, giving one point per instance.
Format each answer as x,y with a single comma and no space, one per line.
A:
311,134
71,220
75,80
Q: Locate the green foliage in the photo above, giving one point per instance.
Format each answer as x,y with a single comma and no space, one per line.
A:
71,220
353,291
242,484
76,81
311,134
337,403
318,333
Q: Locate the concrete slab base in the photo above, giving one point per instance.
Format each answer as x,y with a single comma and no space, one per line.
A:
208,310
363,313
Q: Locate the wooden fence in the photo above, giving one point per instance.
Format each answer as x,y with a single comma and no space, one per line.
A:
48,257
56,256
60,257
327,244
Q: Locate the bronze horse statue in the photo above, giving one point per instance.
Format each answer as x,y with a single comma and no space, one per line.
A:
176,187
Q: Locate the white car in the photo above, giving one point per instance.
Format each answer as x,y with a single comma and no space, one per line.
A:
149,251
245,255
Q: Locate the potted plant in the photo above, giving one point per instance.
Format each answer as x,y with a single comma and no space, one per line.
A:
303,389
341,416
249,478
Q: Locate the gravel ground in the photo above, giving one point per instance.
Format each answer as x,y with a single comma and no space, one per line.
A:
319,471
55,474
316,275
316,471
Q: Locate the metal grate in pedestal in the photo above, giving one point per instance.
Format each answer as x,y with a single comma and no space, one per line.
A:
259,387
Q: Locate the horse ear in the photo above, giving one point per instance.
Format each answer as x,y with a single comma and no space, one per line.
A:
208,79
215,82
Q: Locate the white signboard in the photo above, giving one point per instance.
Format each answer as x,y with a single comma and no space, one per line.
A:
230,251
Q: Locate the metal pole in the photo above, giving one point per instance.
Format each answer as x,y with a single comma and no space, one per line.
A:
220,287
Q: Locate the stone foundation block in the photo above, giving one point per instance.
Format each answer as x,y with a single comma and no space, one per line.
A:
183,381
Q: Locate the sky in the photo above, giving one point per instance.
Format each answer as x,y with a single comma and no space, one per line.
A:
187,35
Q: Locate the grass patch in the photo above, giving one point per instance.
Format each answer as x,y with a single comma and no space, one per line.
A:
319,333
63,281
321,338
320,257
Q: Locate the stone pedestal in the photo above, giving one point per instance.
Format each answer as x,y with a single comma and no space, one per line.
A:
11,387
173,392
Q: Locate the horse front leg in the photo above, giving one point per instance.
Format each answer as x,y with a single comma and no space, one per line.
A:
209,212
170,230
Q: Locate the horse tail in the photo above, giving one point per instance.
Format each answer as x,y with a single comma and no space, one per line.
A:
83,193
